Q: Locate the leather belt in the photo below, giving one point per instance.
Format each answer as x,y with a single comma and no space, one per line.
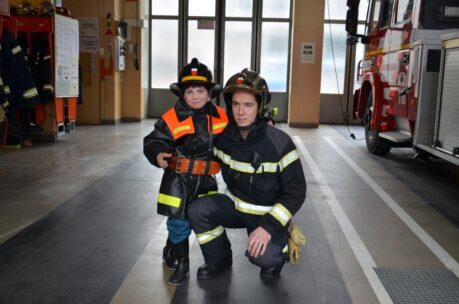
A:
183,165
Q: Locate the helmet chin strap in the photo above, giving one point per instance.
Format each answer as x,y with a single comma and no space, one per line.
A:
245,128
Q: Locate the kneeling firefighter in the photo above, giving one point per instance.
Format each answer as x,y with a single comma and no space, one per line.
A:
265,181
181,144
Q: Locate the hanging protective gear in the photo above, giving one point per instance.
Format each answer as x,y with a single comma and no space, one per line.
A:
63,11
295,242
25,9
46,8
19,83
193,73
42,68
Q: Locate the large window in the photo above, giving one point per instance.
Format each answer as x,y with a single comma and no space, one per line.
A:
335,54
238,43
164,42
404,11
251,34
275,43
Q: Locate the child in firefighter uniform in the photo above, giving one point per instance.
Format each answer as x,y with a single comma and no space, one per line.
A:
265,185
181,144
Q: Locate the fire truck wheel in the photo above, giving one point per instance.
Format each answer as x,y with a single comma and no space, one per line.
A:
375,144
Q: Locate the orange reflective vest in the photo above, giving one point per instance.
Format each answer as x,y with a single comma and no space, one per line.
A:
186,126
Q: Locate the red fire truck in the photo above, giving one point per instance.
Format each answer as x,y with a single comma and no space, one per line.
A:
409,94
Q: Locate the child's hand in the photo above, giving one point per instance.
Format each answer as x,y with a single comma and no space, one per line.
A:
161,159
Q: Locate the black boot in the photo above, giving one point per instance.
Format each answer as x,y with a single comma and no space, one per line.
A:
169,256
183,267
207,271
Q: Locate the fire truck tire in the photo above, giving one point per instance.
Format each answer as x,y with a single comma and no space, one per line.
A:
375,144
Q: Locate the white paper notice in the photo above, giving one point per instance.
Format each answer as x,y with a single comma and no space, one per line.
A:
308,52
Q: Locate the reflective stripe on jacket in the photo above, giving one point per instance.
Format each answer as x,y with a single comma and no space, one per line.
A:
181,128
263,174
184,132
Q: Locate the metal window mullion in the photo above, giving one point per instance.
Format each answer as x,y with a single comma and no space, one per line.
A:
238,18
164,17
183,34
201,18
150,47
287,85
219,54
338,21
258,10
271,19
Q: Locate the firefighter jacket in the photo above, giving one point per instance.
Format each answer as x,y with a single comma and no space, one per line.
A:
263,173
17,76
3,99
41,67
184,132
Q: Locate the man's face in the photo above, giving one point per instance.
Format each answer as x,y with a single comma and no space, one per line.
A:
245,108
196,96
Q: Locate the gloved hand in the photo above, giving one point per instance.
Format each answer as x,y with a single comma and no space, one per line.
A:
295,242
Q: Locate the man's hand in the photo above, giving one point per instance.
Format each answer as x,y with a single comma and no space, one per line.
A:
258,241
161,159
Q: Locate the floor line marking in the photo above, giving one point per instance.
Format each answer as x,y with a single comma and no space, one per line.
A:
436,249
361,253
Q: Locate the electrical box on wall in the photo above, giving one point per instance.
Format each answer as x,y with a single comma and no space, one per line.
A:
120,53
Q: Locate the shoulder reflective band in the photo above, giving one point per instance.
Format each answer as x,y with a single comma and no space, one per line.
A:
288,159
245,207
169,200
30,93
178,128
208,193
208,236
281,214
219,123
267,167
285,250
16,50
48,87
6,89
219,126
189,78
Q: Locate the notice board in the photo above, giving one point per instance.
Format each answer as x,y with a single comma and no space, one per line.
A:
66,50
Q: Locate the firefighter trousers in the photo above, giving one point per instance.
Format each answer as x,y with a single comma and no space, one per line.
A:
210,215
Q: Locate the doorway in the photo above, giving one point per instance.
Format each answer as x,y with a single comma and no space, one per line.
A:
227,36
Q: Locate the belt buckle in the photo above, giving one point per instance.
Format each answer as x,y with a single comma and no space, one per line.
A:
177,164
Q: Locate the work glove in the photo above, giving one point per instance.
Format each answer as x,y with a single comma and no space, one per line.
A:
295,242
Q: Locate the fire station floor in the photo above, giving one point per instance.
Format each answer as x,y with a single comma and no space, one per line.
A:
78,224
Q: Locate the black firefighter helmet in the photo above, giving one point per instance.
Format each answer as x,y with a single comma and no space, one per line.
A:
250,81
46,8
195,73
25,9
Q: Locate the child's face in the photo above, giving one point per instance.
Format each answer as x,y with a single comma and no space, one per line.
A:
196,96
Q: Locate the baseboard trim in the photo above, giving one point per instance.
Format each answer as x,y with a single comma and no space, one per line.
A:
130,119
110,121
